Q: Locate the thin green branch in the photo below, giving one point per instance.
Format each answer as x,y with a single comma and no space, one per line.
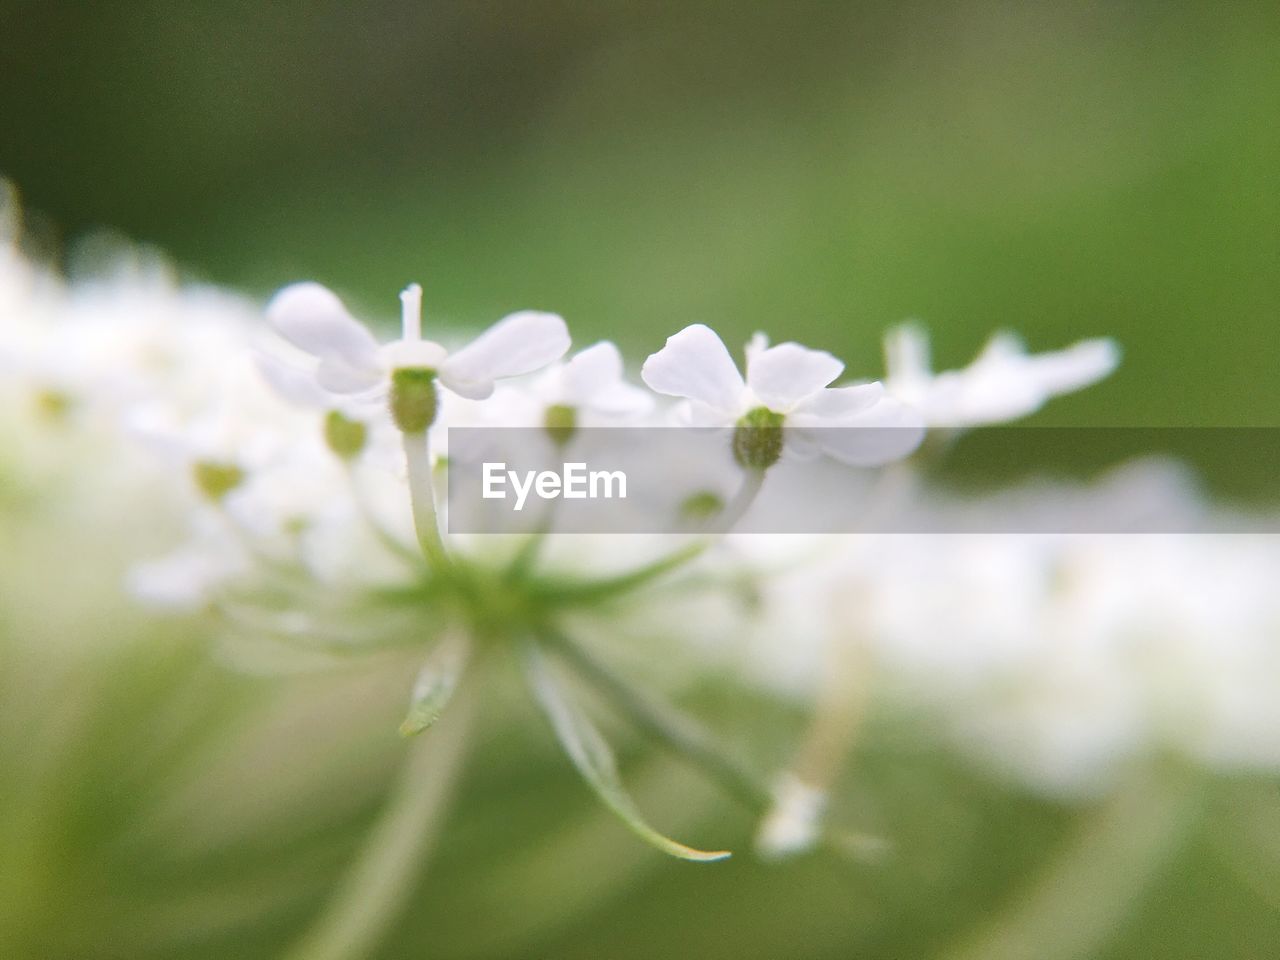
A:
423,500
595,591
661,722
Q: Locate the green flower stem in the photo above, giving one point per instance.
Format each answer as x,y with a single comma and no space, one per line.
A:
841,703
385,874
384,536
423,501
526,557
736,508
318,637
609,587
288,571
664,724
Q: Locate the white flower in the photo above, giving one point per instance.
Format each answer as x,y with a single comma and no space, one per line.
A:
786,386
591,382
241,422
350,361
587,390
794,822
189,577
1003,383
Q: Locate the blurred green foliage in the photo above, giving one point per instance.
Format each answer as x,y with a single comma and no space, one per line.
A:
818,170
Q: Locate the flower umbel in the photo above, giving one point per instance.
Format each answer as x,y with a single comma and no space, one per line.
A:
784,404
1061,662
304,512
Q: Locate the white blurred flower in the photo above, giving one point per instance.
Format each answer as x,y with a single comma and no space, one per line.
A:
1003,383
794,823
592,384
1056,660
189,577
130,340
787,387
587,390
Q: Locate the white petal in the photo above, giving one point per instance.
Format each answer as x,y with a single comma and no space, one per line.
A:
312,318
291,382
784,375
994,392
589,371
1076,367
799,443
517,344
1005,383
1001,345
868,436
156,427
696,365
691,413
840,402
593,379
186,579
622,399
469,389
335,374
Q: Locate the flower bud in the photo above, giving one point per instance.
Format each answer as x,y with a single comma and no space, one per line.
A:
702,505
413,398
560,421
757,439
215,480
345,437
54,406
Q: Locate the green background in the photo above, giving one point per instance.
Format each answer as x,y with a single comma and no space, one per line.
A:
817,170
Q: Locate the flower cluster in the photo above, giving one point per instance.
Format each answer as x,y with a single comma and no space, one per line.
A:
311,457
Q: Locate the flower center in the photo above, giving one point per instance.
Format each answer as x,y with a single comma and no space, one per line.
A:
560,420
757,439
702,505
413,399
215,480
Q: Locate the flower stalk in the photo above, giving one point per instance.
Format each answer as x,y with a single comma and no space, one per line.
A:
388,869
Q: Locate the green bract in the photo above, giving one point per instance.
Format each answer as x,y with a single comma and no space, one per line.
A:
560,421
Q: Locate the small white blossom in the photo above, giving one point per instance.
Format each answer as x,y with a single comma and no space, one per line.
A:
1003,383
189,577
791,384
587,390
793,824
350,361
592,382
